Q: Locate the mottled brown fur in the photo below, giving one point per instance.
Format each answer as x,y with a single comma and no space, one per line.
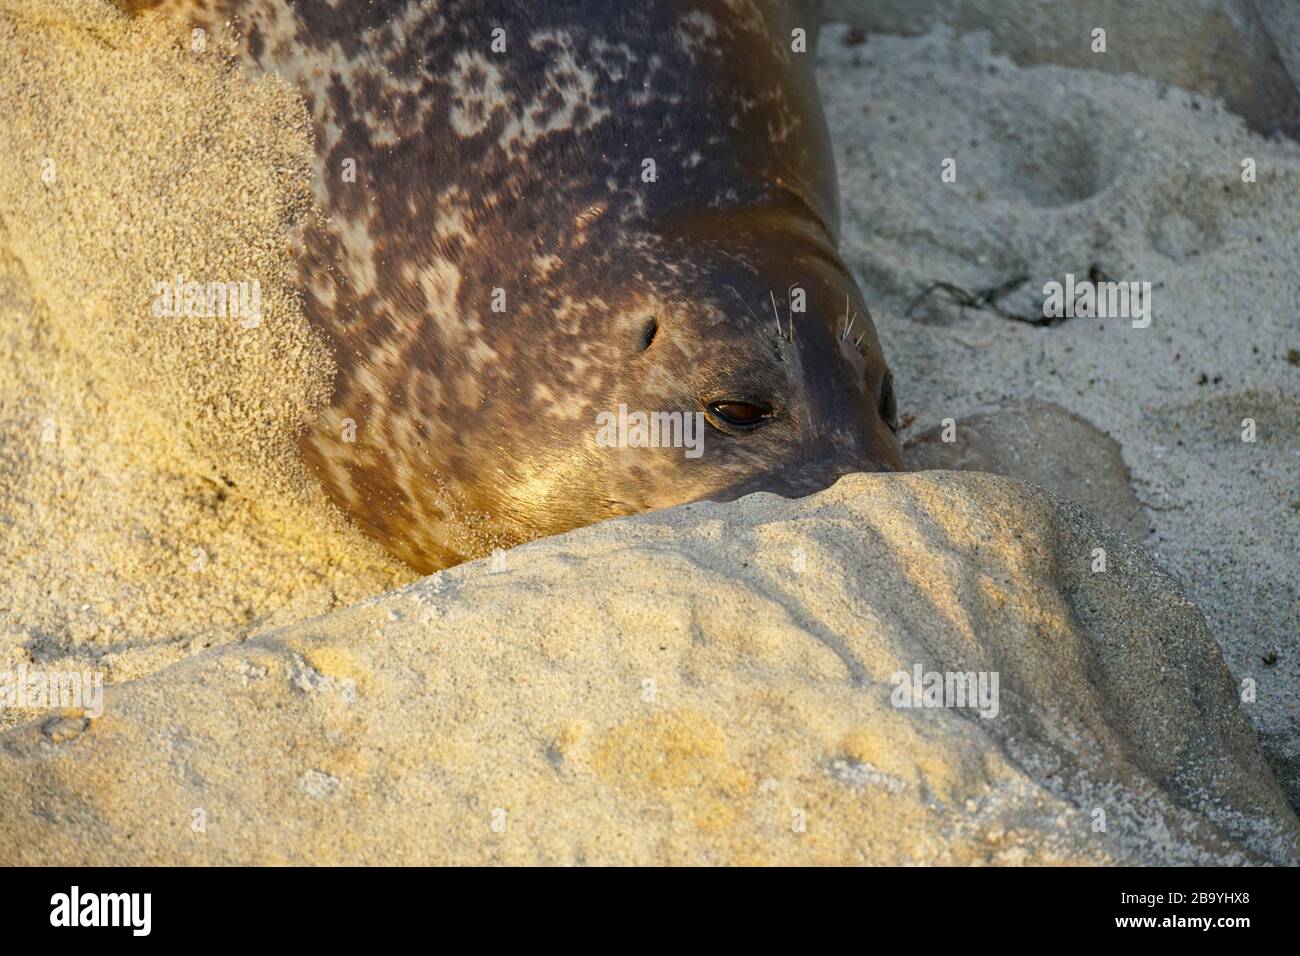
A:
482,174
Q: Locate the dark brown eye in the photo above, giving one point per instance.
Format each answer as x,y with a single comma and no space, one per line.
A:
888,403
739,413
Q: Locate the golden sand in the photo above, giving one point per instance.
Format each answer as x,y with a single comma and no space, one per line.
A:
152,497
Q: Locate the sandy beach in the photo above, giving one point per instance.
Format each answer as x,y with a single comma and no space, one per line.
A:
1054,178
159,528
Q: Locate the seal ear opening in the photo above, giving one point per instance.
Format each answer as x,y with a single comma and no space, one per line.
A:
648,332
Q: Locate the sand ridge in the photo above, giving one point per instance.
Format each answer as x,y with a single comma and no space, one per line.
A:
153,495
592,701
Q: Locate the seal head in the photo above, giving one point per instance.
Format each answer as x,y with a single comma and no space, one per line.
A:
549,225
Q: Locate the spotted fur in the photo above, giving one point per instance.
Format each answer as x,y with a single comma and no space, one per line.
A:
519,174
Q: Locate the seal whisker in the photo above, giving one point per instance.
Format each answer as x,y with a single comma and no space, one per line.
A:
777,313
743,302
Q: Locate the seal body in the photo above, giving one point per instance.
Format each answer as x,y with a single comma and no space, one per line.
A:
541,216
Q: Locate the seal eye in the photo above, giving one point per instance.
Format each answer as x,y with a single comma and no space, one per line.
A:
739,414
888,403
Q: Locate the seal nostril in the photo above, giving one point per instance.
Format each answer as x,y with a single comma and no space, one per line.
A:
889,402
648,332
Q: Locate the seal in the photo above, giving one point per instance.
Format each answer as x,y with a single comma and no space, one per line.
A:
544,218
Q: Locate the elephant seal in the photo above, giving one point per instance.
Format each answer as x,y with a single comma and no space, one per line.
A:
578,259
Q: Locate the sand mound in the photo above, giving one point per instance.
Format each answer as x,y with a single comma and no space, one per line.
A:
151,493
1060,170
591,700
1043,444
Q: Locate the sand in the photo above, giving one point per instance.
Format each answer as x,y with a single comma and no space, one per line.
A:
152,497
154,508
592,701
1055,175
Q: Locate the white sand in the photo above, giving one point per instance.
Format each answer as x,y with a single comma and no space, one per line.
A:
1059,169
